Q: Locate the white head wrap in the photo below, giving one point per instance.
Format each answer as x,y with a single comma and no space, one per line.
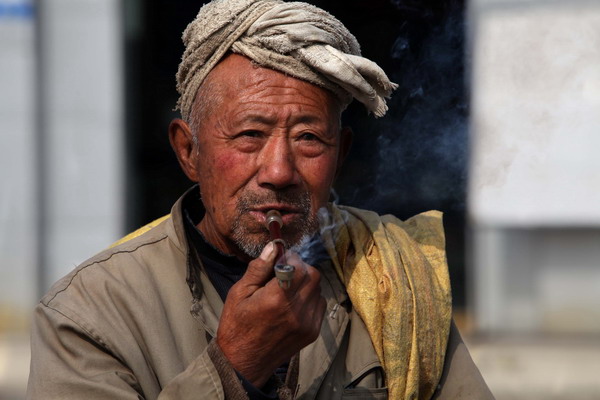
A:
295,38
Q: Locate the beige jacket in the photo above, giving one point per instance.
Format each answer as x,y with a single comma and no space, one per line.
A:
120,327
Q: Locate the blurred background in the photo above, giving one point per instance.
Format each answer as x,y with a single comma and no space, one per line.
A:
496,122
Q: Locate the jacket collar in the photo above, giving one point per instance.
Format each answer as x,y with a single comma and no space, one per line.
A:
178,234
206,303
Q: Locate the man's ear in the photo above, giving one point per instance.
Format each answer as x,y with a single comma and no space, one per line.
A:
182,142
345,144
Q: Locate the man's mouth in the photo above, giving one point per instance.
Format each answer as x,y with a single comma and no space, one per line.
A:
288,213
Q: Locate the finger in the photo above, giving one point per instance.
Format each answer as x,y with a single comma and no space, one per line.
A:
260,270
319,315
312,313
322,307
295,260
315,310
311,284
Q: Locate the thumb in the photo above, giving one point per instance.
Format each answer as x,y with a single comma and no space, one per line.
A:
260,270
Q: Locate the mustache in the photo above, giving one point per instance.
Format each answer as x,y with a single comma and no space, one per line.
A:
296,199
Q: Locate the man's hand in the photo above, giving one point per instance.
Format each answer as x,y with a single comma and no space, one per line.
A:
262,325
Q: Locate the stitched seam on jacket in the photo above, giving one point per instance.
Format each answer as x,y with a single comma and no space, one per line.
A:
47,303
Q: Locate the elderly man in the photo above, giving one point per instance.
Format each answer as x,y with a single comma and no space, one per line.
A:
189,306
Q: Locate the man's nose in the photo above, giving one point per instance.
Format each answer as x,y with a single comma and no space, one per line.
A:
277,164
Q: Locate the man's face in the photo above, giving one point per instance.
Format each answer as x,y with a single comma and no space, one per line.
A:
270,141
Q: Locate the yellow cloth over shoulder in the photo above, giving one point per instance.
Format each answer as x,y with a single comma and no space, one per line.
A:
396,275
141,230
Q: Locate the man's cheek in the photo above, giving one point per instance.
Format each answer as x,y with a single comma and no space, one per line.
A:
319,173
228,162
218,173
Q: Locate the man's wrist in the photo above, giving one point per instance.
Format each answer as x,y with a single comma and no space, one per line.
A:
255,375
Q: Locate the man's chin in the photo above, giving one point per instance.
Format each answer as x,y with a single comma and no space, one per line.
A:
252,243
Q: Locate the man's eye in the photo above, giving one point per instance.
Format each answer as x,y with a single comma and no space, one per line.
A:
252,134
308,136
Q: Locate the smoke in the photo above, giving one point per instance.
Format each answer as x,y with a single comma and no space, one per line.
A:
311,249
423,152
416,157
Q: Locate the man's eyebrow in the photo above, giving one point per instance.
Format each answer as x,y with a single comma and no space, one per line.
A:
260,118
306,119
271,120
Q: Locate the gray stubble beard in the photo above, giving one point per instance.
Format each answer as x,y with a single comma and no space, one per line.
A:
293,234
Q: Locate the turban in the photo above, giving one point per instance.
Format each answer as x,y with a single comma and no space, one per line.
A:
295,38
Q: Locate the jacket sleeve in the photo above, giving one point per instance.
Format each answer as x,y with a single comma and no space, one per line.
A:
460,379
68,363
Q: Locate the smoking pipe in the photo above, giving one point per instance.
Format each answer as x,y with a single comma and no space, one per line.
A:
283,271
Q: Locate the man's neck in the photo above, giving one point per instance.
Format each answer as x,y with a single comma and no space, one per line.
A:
216,240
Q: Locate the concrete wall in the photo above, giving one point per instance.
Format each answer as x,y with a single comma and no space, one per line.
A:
534,192
83,129
61,141
18,170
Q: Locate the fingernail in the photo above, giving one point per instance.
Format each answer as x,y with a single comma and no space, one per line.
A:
267,252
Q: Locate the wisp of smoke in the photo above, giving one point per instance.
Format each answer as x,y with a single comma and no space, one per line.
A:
311,249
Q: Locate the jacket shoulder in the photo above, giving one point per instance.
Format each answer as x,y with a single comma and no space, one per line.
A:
125,262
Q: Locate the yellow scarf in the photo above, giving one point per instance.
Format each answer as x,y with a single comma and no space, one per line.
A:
140,231
396,275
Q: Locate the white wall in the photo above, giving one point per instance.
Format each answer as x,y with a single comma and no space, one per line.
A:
536,119
83,125
18,213
534,194
62,176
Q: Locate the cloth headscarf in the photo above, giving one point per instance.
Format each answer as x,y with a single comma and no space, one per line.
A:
295,38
